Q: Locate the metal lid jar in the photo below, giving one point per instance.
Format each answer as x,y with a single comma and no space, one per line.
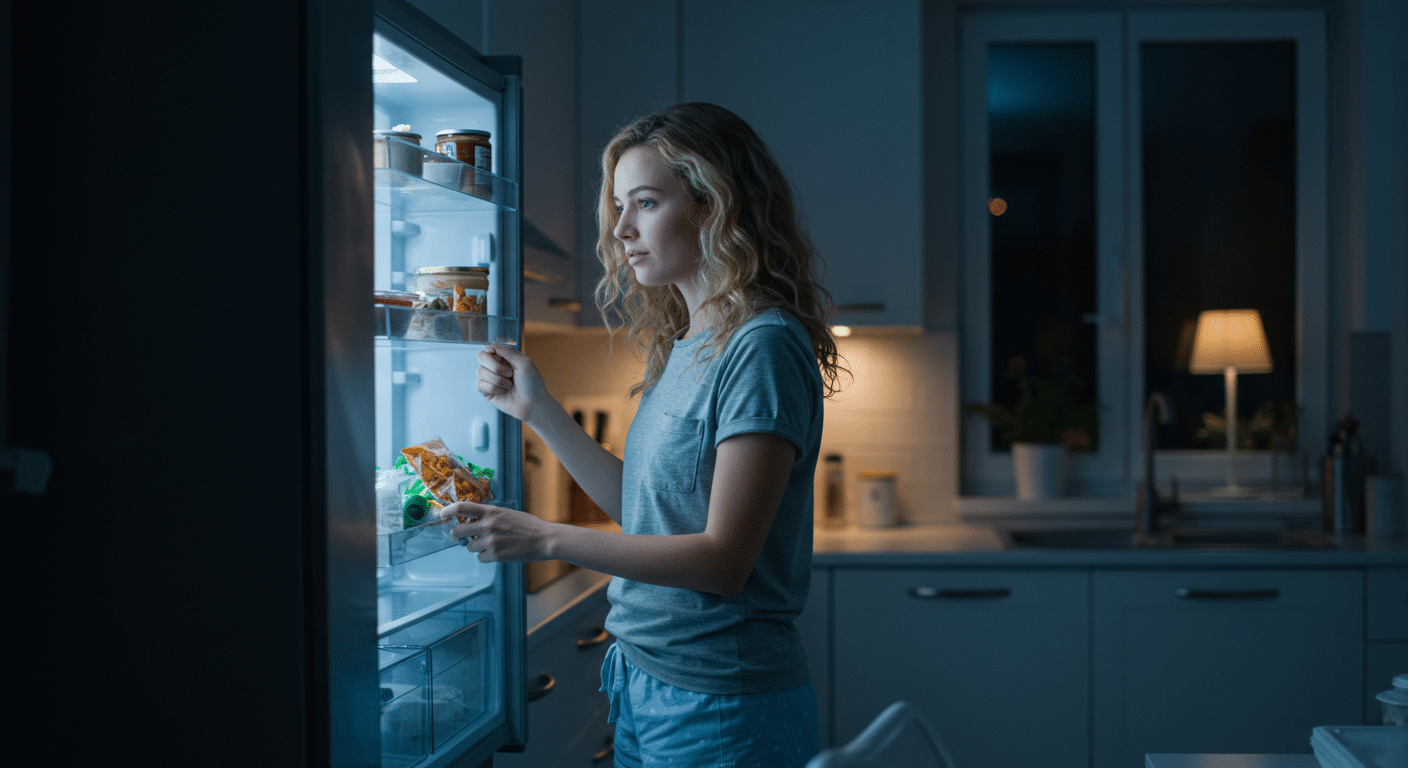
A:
472,147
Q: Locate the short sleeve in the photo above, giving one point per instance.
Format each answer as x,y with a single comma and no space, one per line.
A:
768,383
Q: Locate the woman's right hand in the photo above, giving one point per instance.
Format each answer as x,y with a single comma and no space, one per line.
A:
509,380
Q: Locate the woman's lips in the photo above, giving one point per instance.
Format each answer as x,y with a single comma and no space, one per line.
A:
634,258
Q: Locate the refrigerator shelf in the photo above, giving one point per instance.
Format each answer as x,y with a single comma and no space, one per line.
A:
443,183
405,546
405,327
400,607
413,543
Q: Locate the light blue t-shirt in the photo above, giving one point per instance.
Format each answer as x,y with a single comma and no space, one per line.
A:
765,380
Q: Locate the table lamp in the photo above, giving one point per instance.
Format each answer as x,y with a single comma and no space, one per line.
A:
1229,341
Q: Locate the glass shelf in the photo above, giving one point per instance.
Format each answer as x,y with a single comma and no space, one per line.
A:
400,607
429,181
412,543
399,325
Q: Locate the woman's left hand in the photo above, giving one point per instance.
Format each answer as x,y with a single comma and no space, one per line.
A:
498,534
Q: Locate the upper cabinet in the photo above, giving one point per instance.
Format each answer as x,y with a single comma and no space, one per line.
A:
836,96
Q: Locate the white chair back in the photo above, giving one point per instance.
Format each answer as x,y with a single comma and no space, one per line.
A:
867,750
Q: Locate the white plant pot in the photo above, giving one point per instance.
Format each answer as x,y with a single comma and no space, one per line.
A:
1040,469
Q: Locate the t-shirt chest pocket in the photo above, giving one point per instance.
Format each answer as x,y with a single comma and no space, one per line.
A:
671,461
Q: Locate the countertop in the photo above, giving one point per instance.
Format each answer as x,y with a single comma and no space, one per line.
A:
975,545
982,544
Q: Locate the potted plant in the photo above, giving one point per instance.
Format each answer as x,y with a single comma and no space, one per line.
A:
1047,420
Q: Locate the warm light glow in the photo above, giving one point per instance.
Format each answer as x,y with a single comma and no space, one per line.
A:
997,206
841,331
1230,338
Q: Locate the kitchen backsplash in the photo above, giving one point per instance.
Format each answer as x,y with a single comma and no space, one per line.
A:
897,411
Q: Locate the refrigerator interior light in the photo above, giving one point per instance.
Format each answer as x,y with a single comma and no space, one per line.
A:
384,71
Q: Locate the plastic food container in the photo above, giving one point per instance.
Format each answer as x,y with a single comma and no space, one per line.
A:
393,312
394,154
1395,703
463,291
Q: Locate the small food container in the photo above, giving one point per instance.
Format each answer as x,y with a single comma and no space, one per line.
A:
473,148
462,290
393,312
1395,702
389,152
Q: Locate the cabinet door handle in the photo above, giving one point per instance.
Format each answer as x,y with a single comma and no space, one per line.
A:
1184,593
592,642
607,751
935,593
546,683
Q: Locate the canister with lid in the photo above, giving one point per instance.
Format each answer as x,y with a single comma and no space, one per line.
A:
394,154
876,506
472,147
1395,702
456,289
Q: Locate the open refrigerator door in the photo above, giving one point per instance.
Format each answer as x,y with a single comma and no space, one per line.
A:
450,630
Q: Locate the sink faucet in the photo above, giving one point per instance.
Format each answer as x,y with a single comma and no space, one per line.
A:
1148,503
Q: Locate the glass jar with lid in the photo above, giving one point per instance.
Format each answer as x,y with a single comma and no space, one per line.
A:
472,147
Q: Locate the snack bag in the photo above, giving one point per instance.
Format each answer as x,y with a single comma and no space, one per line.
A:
445,477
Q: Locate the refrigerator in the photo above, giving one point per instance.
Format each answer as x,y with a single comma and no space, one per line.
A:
206,583
450,629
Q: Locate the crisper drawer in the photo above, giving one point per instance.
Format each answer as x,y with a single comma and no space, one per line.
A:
405,705
456,646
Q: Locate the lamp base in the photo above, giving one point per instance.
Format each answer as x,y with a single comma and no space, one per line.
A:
1232,490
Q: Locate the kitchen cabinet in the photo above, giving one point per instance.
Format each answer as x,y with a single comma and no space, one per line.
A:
1386,627
1214,660
814,625
975,650
844,126
567,725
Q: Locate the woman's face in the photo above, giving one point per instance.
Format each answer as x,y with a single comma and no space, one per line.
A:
659,221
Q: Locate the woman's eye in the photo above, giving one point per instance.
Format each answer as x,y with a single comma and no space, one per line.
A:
647,203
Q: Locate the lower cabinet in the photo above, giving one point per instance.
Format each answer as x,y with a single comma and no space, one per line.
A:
996,660
567,725
1222,661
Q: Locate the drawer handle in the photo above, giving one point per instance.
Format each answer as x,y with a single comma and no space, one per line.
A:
592,642
546,683
607,751
935,593
1185,593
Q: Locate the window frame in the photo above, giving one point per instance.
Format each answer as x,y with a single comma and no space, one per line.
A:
1117,36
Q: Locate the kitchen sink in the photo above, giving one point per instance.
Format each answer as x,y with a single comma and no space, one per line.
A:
1174,538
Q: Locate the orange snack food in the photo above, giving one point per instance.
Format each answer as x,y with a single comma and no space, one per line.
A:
445,475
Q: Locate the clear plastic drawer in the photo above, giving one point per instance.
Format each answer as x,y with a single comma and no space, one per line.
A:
405,705
460,686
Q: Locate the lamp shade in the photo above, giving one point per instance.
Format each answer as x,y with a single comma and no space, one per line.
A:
1230,338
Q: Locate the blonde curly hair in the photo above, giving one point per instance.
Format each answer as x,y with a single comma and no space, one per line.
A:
755,252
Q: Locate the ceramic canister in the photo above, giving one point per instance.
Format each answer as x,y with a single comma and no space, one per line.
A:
876,506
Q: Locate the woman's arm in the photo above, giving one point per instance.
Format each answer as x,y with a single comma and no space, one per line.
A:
750,476
509,380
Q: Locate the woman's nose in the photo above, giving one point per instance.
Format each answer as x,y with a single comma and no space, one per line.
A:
623,230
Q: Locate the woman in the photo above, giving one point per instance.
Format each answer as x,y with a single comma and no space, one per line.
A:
712,276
